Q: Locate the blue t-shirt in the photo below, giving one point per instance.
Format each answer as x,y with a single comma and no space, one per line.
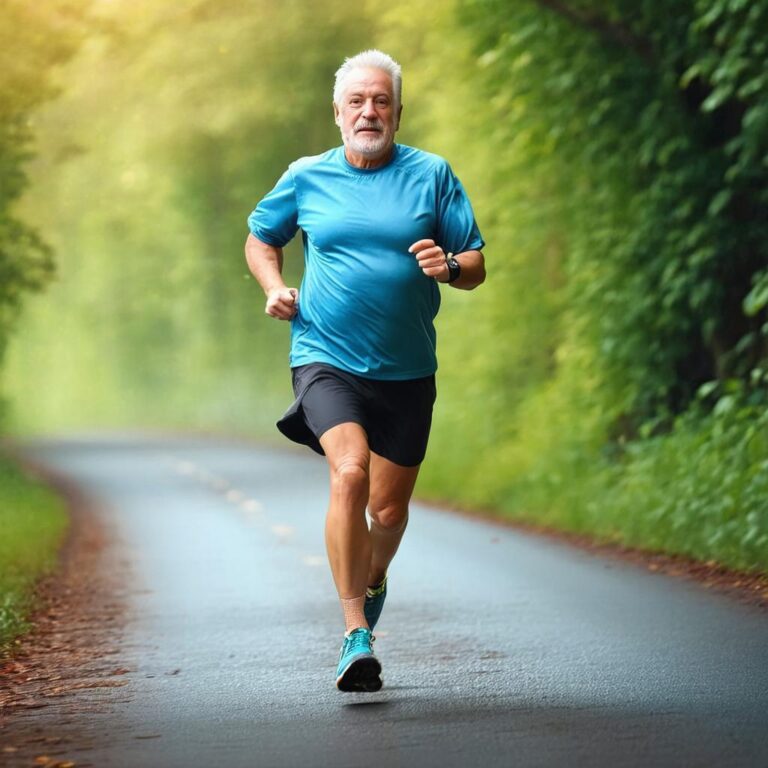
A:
365,306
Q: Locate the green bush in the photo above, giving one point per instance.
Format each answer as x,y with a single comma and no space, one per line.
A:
33,523
636,132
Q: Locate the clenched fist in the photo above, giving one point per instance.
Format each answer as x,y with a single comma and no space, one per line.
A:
282,303
431,259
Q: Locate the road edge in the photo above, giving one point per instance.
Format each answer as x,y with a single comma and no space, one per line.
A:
750,588
73,649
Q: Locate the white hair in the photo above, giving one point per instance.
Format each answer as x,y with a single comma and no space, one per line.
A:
372,59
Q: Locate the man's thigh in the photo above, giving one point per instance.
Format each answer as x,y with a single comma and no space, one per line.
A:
346,442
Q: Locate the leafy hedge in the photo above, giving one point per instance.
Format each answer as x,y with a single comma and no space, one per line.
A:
625,385
655,117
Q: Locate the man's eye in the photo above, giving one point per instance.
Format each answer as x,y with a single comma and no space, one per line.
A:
354,102
383,103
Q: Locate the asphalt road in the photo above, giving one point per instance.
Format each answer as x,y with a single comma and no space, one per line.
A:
498,648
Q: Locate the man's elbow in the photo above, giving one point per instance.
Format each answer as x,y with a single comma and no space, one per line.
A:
478,274
481,274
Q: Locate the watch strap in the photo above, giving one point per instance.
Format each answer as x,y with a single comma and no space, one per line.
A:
454,268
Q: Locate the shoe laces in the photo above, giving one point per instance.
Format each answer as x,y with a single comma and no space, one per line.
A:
359,640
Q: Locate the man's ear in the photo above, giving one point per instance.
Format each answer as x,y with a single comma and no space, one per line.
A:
399,113
336,115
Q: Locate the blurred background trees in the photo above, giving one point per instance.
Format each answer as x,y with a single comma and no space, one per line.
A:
609,377
33,41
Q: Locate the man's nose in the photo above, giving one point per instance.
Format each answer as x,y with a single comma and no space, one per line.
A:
369,108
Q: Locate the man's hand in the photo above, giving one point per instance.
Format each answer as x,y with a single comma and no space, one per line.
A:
431,259
282,303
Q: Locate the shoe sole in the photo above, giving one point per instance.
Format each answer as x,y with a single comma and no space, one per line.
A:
361,676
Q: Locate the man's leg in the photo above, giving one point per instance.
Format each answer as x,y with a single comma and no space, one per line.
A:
391,487
346,533
349,552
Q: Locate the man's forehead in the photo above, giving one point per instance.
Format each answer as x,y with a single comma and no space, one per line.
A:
367,79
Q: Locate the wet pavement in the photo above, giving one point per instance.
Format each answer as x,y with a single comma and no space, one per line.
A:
499,648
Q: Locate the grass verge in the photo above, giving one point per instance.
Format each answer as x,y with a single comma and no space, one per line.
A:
699,491
33,523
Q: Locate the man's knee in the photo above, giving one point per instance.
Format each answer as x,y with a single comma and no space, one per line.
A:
392,517
350,474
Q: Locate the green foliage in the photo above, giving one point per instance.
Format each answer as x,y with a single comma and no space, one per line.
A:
611,374
655,119
601,119
33,524
757,299
698,491
149,200
34,39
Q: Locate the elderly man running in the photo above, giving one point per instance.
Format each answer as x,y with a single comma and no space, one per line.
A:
383,224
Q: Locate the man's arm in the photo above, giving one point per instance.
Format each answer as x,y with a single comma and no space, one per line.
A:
432,260
472,270
266,264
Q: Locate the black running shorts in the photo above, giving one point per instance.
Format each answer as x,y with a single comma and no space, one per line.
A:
396,415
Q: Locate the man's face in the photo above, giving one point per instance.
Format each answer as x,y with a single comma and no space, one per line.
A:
367,115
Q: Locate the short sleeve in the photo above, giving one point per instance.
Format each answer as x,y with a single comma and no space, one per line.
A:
274,220
457,230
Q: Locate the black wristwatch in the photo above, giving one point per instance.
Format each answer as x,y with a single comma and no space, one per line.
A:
454,268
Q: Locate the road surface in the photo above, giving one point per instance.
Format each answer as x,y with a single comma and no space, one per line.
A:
499,648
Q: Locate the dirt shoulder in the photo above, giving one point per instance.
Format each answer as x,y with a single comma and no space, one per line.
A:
62,669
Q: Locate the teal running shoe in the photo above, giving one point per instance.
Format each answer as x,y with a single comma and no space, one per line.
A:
359,671
374,602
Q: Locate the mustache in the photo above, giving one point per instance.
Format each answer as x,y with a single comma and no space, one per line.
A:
371,125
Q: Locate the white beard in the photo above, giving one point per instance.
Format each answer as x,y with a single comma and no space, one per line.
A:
368,145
